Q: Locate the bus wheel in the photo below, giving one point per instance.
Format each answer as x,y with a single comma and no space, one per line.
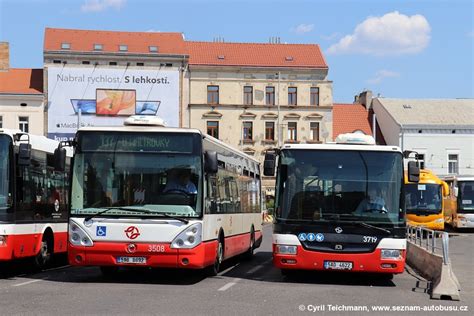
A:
287,272
386,276
44,255
249,253
214,269
108,271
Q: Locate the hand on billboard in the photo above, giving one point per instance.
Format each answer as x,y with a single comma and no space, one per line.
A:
118,102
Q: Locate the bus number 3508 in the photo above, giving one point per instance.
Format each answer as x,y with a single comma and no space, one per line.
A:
156,248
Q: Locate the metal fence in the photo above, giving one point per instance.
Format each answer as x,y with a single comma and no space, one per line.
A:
434,241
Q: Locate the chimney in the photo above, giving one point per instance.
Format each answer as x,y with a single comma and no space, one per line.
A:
365,98
4,56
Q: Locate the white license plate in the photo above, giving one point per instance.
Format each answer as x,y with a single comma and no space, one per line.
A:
337,265
131,260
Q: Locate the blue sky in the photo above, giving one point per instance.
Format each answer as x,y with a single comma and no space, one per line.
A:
412,49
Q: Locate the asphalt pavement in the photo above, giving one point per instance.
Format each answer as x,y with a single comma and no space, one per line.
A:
243,288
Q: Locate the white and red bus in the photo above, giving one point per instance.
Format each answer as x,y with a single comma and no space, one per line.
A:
148,195
339,206
33,198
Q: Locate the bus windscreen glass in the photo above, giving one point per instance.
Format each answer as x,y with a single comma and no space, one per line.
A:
466,196
5,187
137,174
328,185
423,198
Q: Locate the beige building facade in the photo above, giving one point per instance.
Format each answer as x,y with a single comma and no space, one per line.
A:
256,109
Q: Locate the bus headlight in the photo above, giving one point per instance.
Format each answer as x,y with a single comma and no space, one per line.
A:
390,254
439,220
78,237
189,238
286,250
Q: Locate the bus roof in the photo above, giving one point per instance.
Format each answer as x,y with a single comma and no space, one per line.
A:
426,176
37,142
334,146
459,178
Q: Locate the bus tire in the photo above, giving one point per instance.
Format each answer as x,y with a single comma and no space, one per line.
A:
248,255
287,272
43,257
109,271
386,276
213,269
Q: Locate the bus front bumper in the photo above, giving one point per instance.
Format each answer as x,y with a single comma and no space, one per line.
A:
361,262
159,255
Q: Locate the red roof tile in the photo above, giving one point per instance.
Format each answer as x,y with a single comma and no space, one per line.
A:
137,42
348,118
255,54
21,81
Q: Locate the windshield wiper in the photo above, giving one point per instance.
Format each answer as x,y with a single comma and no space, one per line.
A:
372,226
143,210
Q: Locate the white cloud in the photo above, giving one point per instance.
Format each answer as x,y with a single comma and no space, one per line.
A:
331,36
381,75
101,5
391,34
304,28
471,34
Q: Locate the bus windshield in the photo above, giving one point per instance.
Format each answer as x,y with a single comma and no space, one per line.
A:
466,195
158,173
423,198
342,185
5,178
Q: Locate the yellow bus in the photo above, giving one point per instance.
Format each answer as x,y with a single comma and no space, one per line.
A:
424,201
459,210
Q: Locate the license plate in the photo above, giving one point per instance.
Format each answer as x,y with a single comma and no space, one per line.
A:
131,260
337,265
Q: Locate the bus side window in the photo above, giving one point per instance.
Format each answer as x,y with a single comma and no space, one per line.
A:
212,195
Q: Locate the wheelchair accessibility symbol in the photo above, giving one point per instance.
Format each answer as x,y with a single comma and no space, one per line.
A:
101,231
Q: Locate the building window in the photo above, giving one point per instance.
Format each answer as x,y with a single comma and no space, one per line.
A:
123,48
153,49
421,160
113,63
140,64
98,47
86,62
24,124
314,96
292,95
269,130
213,94
56,61
248,95
292,131
453,163
1,121
270,95
248,131
314,130
65,46
213,128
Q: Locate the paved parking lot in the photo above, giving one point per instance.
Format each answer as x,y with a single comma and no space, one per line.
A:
244,287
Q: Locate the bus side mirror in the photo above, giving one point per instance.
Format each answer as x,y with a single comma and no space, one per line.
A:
445,189
24,154
59,159
269,165
211,165
413,172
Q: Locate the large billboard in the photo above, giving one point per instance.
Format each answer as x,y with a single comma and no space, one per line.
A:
106,97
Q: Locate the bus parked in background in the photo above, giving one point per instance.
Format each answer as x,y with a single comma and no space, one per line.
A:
459,211
339,206
33,198
425,201
152,196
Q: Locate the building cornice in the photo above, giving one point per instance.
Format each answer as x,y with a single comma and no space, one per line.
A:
262,107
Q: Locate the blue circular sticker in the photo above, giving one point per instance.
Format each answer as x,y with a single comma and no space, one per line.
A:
302,236
311,237
319,237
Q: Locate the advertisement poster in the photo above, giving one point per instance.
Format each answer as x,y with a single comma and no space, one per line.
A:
106,97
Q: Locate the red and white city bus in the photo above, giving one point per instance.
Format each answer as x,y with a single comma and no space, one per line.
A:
339,206
148,195
33,198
